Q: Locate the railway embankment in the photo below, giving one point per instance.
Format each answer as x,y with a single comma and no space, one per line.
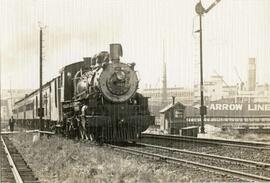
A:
56,159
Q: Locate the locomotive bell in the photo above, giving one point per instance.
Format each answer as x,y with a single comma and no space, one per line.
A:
116,52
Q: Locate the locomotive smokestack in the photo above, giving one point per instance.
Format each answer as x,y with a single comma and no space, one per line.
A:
116,52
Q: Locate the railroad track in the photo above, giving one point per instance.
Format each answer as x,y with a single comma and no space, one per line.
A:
222,142
239,168
235,167
14,168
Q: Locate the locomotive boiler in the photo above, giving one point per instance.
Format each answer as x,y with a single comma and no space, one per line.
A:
115,81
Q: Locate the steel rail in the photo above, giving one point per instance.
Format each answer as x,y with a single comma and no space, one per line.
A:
29,131
15,172
237,160
243,175
7,133
232,143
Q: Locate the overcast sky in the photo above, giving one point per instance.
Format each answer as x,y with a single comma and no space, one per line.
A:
233,31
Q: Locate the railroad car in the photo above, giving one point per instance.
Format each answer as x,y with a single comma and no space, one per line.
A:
101,89
26,110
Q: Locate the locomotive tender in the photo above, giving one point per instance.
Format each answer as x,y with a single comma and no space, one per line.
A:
108,87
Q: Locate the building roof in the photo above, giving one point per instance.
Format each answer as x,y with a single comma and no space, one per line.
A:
168,107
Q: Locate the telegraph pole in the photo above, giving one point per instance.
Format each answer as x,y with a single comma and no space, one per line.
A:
41,27
200,11
40,81
202,108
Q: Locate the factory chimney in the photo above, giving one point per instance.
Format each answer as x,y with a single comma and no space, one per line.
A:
251,83
164,81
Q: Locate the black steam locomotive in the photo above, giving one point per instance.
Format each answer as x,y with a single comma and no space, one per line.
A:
101,91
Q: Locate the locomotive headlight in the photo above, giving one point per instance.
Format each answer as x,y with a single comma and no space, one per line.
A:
121,75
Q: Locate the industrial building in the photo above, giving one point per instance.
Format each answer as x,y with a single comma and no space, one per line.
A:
215,90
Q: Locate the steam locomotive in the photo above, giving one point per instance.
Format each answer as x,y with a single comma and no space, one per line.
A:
102,87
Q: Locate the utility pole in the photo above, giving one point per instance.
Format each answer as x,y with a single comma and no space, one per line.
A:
40,111
200,11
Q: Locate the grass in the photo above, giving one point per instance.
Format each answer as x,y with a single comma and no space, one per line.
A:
60,160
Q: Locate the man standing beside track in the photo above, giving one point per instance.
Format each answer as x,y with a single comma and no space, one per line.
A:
11,123
83,122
